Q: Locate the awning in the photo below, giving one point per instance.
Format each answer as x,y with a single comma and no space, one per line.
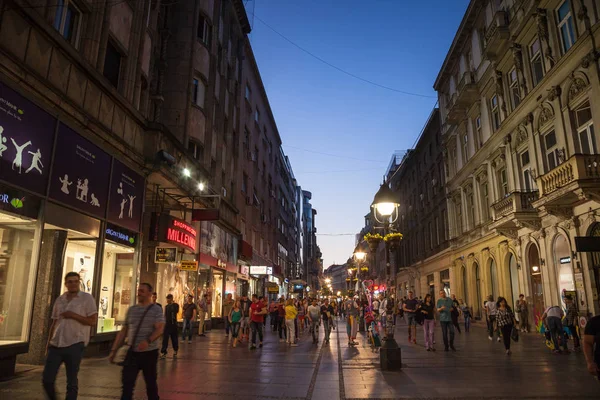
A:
246,251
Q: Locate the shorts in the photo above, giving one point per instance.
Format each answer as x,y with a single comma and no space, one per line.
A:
410,319
301,317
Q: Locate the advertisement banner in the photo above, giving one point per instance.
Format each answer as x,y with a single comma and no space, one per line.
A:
188,266
26,139
165,255
80,173
126,195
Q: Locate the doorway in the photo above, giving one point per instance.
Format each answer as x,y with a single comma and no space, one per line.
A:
535,277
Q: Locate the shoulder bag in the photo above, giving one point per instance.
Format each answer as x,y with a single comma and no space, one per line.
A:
123,354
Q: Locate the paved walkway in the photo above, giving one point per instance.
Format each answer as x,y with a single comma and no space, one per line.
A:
209,368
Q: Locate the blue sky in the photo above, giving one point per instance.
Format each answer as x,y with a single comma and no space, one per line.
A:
396,43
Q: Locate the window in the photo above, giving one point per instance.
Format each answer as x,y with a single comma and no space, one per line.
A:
515,91
245,184
198,91
495,112
67,21
257,116
248,94
485,202
479,137
503,182
551,150
203,30
465,148
528,183
585,128
458,219
453,160
437,231
112,64
537,63
565,26
196,150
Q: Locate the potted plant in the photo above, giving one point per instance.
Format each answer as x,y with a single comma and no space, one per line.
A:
373,240
393,239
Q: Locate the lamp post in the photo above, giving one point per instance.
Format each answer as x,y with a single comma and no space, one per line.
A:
385,211
359,257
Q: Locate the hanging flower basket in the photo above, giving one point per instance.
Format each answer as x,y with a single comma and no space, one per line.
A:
364,269
393,239
373,241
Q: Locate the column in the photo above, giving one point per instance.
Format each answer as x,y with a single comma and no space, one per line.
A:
476,201
49,285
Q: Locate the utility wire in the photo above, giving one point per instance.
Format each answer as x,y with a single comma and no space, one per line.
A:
338,68
339,170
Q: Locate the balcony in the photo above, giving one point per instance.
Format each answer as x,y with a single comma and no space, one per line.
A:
466,94
575,180
497,35
514,212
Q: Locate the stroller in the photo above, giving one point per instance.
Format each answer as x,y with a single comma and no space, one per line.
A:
374,339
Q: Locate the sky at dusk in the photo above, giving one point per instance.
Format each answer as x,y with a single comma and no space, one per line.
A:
339,132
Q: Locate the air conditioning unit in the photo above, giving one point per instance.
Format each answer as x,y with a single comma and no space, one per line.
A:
248,201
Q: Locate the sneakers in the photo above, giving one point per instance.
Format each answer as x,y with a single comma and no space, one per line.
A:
175,355
499,340
428,349
508,352
281,340
163,356
294,345
491,338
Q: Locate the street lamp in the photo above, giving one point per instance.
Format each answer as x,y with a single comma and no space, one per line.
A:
360,255
386,206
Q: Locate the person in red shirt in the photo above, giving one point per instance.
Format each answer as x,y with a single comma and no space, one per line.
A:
257,312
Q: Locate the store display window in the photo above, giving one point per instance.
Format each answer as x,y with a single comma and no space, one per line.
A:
217,294
17,276
116,286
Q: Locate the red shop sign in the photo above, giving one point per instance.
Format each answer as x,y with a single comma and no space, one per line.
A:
166,228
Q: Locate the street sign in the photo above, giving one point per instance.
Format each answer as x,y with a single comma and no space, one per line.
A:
188,265
165,255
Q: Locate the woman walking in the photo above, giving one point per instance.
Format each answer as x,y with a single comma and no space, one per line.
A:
523,310
466,311
290,316
235,319
427,309
505,318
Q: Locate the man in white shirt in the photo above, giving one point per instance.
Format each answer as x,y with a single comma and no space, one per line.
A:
73,315
490,313
553,322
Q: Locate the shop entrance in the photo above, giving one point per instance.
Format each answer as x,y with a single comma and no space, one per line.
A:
535,277
479,303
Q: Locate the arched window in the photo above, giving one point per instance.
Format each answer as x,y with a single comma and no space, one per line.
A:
585,128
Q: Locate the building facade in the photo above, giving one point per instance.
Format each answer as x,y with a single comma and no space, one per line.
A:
149,152
519,97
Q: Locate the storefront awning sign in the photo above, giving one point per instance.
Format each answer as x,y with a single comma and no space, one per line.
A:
260,270
121,236
188,266
125,197
166,228
17,202
165,255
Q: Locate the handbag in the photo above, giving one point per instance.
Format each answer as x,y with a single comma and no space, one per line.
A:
514,334
123,353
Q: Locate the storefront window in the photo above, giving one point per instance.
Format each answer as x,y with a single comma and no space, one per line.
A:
231,285
79,257
115,286
17,265
217,293
562,260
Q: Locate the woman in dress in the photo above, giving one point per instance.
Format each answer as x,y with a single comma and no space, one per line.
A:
235,318
523,310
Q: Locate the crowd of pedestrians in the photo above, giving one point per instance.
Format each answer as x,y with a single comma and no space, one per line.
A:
136,347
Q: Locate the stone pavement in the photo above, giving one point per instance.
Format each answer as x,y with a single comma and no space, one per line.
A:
209,368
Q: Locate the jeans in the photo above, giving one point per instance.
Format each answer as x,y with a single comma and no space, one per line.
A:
492,326
575,335
314,329
256,327
291,330
556,331
281,327
145,361
187,326
429,332
71,356
506,331
235,329
447,333
274,320
327,326
227,325
467,323
170,332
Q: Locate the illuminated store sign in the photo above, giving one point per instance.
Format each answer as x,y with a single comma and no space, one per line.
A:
165,228
120,235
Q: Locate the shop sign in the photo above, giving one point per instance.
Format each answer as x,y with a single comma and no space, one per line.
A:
80,173
120,235
188,266
18,202
273,289
125,197
244,270
165,228
260,270
565,260
165,255
26,139
298,288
